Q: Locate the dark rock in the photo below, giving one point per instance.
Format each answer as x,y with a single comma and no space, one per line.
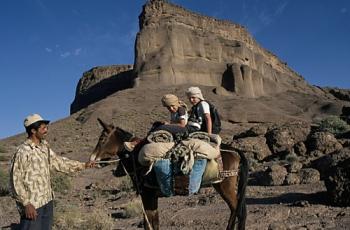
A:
345,142
309,176
324,142
301,203
283,138
342,94
255,145
292,178
338,183
300,148
325,163
294,167
274,175
344,135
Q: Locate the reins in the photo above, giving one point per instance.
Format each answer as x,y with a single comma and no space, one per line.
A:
106,162
137,184
227,150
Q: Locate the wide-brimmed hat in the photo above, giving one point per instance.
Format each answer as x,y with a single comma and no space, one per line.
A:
33,118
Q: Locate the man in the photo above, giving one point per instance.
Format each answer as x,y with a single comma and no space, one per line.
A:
200,119
30,178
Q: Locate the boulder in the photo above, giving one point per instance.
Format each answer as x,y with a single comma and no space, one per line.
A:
255,145
324,142
283,138
294,167
300,149
292,178
338,183
274,175
325,163
309,176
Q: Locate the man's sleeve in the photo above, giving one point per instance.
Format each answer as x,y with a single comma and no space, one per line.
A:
18,179
65,165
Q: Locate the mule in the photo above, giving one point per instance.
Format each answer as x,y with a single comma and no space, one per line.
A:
232,188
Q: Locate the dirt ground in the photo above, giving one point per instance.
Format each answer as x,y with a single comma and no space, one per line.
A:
277,207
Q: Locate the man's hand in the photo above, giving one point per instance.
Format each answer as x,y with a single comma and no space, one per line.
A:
30,212
90,164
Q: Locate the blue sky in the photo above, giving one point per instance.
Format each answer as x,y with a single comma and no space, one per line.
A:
46,45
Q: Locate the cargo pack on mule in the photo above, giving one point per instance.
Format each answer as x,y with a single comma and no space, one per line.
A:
231,184
180,166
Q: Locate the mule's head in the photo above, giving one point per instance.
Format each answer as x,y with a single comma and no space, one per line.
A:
110,142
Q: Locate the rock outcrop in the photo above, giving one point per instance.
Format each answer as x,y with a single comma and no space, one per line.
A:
338,183
176,46
100,82
341,94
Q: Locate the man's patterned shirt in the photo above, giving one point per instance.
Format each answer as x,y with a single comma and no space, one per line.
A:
30,172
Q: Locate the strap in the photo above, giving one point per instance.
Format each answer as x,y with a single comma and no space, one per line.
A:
228,173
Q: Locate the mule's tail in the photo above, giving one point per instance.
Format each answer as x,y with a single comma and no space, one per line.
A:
241,212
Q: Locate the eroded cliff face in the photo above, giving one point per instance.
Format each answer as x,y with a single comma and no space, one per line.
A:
175,46
100,82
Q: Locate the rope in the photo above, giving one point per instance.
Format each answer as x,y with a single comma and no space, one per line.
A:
106,162
226,150
138,190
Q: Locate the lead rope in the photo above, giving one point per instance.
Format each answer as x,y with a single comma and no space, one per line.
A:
138,191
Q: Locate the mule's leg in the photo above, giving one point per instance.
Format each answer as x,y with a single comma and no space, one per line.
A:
227,188
227,191
150,204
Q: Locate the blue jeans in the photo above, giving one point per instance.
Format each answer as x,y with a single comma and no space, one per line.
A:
164,173
165,170
43,221
196,175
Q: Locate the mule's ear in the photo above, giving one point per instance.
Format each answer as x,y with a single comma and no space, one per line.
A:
105,126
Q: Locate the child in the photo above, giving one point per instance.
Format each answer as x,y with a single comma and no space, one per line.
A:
178,119
200,119
177,109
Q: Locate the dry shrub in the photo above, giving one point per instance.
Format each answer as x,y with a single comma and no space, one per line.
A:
333,124
3,149
125,184
72,217
4,158
4,183
61,182
133,208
